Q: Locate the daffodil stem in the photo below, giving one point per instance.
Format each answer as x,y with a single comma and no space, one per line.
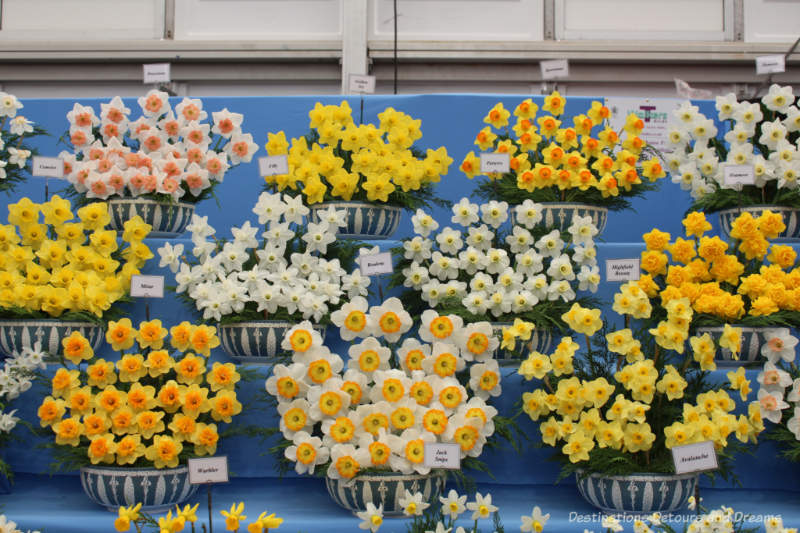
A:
19,141
647,457
657,354
210,518
588,345
475,527
138,529
547,383
627,321
2,124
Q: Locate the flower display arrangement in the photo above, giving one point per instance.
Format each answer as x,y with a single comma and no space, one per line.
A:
294,272
66,268
378,411
747,281
633,394
16,377
157,405
779,391
552,160
164,155
133,516
763,134
480,269
341,160
14,151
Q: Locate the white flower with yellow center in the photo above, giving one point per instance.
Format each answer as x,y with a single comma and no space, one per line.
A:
520,240
494,213
453,504
342,430
476,302
444,360
389,385
321,364
550,245
528,263
412,504
417,249
435,419
747,115
423,223
589,278
379,447
287,382
408,452
481,413
443,266
561,268
355,384
374,417
500,302
411,353
560,289
778,98
465,433
686,113
306,452
438,328
294,417
528,213
369,356
465,213
450,394
471,260
497,260
485,379
480,237
301,338
726,105
433,292
352,319
328,400
390,319
415,276
535,522
449,241
772,133
404,414
792,120
476,341
509,280
482,506
347,461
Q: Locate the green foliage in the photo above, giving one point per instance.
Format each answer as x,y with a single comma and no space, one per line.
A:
14,174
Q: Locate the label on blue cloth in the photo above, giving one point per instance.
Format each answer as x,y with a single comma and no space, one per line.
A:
738,174
274,165
495,163
205,470
361,83
147,286
623,269
156,72
441,455
555,68
772,64
698,457
48,167
376,264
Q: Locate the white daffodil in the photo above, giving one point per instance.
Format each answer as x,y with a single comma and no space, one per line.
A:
560,289
476,302
368,356
9,105
726,105
686,113
241,148
509,280
465,213
485,379
499,302
415,276
443,266
269,208
737,135
390,319
589,278
550,245
747,115
411,353
772,133
449,241
441,529
480,237
582,230
433,292
793,424
778,98
306,452
423,223
792,120
774,379
522,301
327,401
453,505
528,213
226,123
535,522
482,506
703,129
520,240
412,504
471,260
763,171
494,213
20,125
497,260
612,523
561,268
346,462
245,235
356,284
788,174
417,249
318,236
18,156
771,405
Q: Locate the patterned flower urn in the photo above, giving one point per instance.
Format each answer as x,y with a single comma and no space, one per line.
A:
364,220
791,217
559,215
636,493
18,334
384,489
168,219
752,340
258,341
156,489
541,340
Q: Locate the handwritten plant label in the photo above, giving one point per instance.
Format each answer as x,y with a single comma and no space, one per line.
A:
273,165
147,286
203,470
739,175
698,457
623,269
156,72
441,455
361,83
376,264
555,68
48,167
495,163
772,64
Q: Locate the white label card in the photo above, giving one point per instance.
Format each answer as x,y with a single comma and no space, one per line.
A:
772,64
273,165
147,286
495,163
698,457
156,73
205,470
441,455
362,83
623,269
739,174
555,68
375,264
48,167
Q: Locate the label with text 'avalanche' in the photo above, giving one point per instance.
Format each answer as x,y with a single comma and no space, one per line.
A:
698,457
147,286
441,455
273,165
362,83
375,264
156,73
738,174
48,167
555,68
622,269
203,470
495,163
772,64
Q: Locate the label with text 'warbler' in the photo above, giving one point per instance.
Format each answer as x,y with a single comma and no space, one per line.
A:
443,455
203,470
698,457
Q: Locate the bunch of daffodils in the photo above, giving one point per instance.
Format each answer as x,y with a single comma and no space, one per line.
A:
14,152
342,160
16,377
165,154
158,404
554,159
620,407
8,526
747,281
779,390
133,516
378,410
478,269
293,272
64,267
763,135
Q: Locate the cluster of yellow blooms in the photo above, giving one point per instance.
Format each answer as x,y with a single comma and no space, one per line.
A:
567,157
750,277
584,413
352,160
149,404
173,524
63,265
